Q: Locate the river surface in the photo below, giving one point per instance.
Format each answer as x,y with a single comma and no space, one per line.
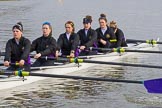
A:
139,19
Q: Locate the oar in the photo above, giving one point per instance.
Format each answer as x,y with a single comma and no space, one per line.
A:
77,60
143,41
122,50
152,86
1,64
16,64
2,53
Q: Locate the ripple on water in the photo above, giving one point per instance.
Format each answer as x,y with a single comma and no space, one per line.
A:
151,100
56,92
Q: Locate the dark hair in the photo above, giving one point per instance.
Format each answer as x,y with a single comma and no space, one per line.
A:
71,23
18,26
103,16
87,19
49,24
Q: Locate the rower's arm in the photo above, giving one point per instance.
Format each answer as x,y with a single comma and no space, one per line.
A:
59,43
75,43
34,45
8,51
51,48
92,40
120,36
26,51
113,38
112,34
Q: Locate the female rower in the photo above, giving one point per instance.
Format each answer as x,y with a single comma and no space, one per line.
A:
44,46
17,50
87,37
119,35
105,35
68,41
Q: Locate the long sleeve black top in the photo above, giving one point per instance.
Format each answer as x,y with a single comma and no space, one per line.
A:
107,36
66,45
17,51
87,40
44,45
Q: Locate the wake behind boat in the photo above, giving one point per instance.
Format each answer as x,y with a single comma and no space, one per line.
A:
68,68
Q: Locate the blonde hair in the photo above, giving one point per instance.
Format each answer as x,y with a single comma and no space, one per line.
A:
113,24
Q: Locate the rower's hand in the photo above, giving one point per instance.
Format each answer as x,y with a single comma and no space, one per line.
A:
57,54
82,47
21,63
6,63
103,41
37,55
72,55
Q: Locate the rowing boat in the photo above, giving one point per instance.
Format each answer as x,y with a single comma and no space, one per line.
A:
10,82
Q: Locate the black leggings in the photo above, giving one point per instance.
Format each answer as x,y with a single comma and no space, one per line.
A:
85,53
43,62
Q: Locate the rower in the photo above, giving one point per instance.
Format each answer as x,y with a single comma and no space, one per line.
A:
44,46
67,42
17,50
119,35
87,37
105,35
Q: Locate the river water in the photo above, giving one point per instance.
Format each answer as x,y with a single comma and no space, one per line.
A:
138,19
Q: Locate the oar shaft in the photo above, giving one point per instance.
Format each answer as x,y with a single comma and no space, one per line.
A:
123,64
16,64
143,51
122,50
135,40
76,60
1,64
143,41
85,78
24,73
2,53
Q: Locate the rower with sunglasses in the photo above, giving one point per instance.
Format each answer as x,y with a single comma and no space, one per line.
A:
44,46
17,50
67,42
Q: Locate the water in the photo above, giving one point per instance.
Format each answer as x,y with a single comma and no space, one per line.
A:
138,19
